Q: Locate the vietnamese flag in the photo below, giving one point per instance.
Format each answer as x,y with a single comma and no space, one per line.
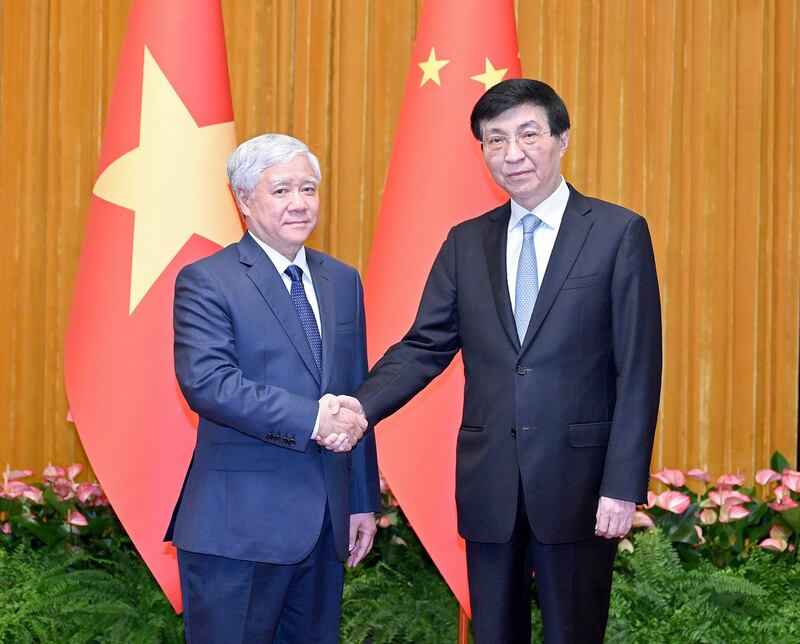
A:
436,179
160,201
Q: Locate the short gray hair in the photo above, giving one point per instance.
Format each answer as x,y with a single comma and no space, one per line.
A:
252,157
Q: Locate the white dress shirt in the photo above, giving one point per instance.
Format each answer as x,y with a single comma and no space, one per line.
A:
550,211
281,264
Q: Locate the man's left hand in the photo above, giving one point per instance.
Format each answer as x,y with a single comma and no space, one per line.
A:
362,532
614,517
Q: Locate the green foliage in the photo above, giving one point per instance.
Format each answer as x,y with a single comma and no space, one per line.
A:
657,599
64,581
61,595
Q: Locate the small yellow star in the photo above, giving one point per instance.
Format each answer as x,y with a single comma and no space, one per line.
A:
174,181
490,76
431,67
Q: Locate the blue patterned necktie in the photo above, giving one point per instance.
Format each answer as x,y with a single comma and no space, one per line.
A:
527,277
305,313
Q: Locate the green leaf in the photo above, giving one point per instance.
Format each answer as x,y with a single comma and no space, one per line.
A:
779,463
792,517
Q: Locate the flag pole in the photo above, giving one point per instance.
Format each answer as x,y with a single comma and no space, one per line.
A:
463,626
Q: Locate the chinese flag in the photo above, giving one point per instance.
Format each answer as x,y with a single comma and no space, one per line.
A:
160,200
436,179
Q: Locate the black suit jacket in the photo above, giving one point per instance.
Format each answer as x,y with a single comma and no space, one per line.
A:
572,411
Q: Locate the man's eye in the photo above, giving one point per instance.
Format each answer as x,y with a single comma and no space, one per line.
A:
310,190
529,136
279,191
496,140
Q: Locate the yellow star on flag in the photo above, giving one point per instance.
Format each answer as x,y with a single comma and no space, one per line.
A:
174,181
431,68
490,76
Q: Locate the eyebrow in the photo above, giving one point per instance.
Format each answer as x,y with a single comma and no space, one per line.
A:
521,126
281,182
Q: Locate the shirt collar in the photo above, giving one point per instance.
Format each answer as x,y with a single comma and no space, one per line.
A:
550,211
280,262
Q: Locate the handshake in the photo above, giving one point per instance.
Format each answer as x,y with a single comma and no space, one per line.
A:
342,423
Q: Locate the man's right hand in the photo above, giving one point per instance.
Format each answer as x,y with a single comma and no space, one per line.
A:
341,423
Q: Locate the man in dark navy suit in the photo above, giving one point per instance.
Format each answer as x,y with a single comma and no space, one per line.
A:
274,499
552,299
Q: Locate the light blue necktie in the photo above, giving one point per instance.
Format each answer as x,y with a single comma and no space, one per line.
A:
305,312
527,277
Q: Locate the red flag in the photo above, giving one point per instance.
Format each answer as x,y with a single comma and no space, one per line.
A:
436,179
160,200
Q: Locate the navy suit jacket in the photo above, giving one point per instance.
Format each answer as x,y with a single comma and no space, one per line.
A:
258,485
570,412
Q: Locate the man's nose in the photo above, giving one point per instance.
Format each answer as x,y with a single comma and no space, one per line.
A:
513,151
297,202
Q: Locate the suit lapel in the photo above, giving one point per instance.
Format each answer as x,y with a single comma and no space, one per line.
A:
262,273
569,241
495,242
327,310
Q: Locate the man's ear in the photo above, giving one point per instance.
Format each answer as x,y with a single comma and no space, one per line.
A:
243,202
563,142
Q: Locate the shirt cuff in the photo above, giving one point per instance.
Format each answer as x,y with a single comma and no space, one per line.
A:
316,425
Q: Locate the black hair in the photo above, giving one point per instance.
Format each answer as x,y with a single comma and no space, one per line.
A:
514,92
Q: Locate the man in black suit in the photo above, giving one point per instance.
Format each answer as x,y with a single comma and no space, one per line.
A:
553,300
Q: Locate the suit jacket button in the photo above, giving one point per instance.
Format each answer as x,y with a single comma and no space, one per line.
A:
521,370
270,436
292,442
319,449
514,432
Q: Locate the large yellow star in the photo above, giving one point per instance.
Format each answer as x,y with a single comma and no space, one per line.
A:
174,181
490,76
431,67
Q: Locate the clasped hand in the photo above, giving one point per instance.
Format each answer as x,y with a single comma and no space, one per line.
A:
342,422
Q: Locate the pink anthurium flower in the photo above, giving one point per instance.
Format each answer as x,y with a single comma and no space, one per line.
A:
708,502
708,516
13,490
6,528
673,501
776,545
670,477
33,494
76,518
764,477
732,513
779,532
73,471
652,497
13,475
85,492
791,479
642,520
783,500
728,497
384,522
384,485
699,475
700,536
52,472
729,480
625,545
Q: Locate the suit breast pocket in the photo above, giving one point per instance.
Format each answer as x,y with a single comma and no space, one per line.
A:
581,281
346,327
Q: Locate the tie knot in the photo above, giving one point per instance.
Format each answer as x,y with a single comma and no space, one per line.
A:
294,272
529,223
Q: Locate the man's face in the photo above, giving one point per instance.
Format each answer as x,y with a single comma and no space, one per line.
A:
529,174
284,208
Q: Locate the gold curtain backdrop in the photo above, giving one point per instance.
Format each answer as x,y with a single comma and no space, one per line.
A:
685,111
